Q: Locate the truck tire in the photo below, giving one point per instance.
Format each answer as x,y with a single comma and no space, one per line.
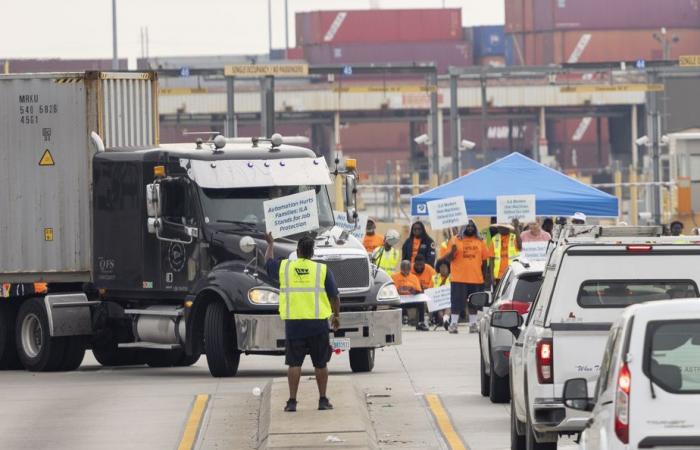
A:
75,352
362,359
517,441
8,350
220,342
499,387
37,350
485,382
109,355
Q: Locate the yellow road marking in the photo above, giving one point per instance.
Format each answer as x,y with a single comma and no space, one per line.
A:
189,436
443,420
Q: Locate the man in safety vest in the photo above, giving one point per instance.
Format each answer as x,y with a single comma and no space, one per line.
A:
387,257
505,247
307,299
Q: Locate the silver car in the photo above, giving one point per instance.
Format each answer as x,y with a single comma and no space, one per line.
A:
516,291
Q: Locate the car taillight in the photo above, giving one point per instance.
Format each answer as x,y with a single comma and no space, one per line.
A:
515,305
639,248
545,357
622,405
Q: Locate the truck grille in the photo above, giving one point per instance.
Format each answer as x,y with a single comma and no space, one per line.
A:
350,273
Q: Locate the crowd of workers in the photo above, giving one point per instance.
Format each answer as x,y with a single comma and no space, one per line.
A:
467,260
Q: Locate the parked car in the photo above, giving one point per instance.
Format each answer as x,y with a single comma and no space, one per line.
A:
516,292
588,282
648,391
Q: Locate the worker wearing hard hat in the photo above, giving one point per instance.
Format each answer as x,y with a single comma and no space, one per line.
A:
387,257
578,218
372,240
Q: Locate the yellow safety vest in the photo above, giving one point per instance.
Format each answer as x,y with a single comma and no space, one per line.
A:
437,278
302,290
388,261
512,252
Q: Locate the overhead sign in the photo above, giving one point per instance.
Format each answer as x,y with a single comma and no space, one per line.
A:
521,207
296,213
264,70
689,61
347,70
638,87
438,298
184,71
448,212
535,251
357,230
369,89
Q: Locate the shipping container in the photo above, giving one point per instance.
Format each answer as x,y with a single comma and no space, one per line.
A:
378,25
586,159
519,15
583,130
46,163
489,41
444,54
557,47
58,65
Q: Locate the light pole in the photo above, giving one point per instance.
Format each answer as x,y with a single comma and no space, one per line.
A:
269,28
115,58
666,42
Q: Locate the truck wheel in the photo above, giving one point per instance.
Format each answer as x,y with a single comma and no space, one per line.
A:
220,342
485,382
109,355
37,350
8,350
362,359
517,441
75,352
499,390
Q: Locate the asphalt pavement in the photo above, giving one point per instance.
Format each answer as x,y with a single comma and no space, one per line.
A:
423,394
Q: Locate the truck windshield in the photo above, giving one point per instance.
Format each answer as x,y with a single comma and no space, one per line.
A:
245,205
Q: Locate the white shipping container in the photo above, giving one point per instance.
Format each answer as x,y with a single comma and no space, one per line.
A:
46,163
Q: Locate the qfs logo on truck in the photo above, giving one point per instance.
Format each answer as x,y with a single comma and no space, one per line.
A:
106,267
176,256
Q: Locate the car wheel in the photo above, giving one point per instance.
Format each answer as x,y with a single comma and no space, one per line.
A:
499,389
517,441
485,382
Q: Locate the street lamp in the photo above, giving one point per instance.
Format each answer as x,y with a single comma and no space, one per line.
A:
666,42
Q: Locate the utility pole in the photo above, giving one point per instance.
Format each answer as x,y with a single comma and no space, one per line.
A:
115,58
454,127
653,112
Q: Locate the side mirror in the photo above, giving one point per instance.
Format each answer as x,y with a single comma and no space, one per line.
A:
576,394
247,244
480,300
350,191
508,320
351,214
153,205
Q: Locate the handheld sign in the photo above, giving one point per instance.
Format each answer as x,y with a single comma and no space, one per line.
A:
341,220
535,251
448,212
521,207
439,298
416,298
296,213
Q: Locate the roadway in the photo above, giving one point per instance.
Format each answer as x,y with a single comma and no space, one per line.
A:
145,408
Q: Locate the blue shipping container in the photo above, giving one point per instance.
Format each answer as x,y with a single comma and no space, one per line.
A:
489,41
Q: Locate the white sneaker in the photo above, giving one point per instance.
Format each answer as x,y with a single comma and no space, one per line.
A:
453,328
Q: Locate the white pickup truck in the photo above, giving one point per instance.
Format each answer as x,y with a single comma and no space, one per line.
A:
588,281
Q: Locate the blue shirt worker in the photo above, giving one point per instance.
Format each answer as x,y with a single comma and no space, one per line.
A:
308,298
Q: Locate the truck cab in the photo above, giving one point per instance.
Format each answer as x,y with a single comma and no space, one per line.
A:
178,250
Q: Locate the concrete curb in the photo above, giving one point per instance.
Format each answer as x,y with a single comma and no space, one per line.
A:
347,426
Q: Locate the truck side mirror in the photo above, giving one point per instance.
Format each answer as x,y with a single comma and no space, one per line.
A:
507,320
173,195
350,191
480,300
576,394
153,208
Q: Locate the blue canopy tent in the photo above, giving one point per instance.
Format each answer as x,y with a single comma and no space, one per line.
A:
555,193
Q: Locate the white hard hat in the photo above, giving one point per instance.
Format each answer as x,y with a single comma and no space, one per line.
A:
579,216
392,237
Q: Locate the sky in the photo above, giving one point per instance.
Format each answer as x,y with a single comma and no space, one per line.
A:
82,28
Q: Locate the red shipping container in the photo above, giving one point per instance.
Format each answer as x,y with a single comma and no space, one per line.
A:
580,130
520,15
443,54
585,158
381,25
626,14
295,53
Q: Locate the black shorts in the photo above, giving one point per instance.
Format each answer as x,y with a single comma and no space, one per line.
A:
318,347
459,293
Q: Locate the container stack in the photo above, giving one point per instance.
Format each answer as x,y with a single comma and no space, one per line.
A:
489,46
384,36
540,32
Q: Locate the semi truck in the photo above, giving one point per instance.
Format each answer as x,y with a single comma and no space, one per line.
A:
154,254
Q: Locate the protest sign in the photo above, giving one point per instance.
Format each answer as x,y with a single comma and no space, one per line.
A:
357,230
439,298
535,251
296,213
417,298
448,212
521,207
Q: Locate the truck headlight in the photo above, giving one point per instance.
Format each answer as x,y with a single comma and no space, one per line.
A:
261,296
388,293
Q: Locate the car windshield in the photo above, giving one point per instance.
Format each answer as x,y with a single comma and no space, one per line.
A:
622,293
527,287
673,353
244,206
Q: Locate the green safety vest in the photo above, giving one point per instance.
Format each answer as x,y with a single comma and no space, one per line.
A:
388,261
512,252
437,279
302,290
